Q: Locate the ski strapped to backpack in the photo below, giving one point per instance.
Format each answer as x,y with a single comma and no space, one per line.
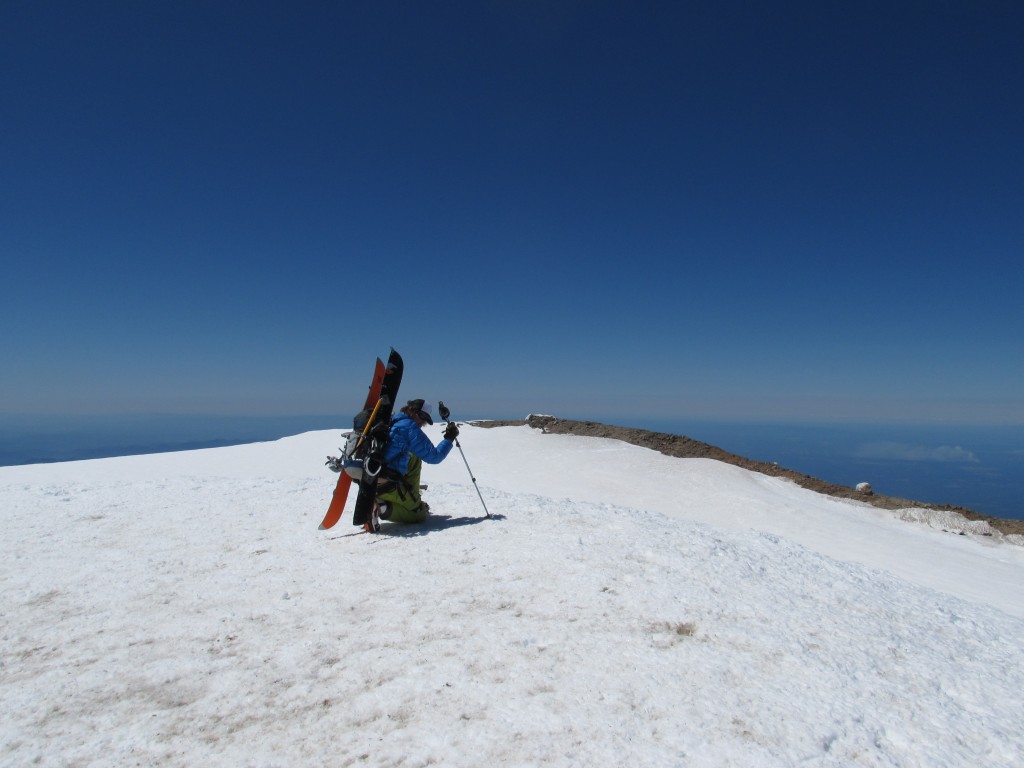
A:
344,483
364,447
368,460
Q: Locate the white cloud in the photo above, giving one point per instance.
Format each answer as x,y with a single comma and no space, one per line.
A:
907,452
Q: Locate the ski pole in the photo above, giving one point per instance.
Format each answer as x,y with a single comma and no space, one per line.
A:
369,423
445,413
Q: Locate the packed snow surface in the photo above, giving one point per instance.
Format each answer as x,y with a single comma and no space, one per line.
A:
622,608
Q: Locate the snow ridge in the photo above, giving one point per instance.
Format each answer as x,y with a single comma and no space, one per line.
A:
186,611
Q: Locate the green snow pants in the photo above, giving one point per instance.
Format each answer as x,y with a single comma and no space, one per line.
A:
404,497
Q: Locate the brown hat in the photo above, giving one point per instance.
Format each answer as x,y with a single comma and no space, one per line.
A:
422,408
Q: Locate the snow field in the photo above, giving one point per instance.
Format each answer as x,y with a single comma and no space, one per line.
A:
183,609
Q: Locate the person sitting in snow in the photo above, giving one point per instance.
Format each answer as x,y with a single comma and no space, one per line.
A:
399,493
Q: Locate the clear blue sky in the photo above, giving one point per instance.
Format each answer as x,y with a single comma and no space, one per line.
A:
800,211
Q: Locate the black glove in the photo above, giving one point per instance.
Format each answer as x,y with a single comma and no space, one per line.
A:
451,431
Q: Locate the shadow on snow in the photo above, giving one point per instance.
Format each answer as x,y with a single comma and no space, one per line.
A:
432,523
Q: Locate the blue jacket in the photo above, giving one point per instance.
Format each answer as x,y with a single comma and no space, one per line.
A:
407,437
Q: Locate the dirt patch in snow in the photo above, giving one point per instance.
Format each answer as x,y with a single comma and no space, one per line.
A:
688,448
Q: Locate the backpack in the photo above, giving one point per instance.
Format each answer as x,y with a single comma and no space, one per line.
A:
364,448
